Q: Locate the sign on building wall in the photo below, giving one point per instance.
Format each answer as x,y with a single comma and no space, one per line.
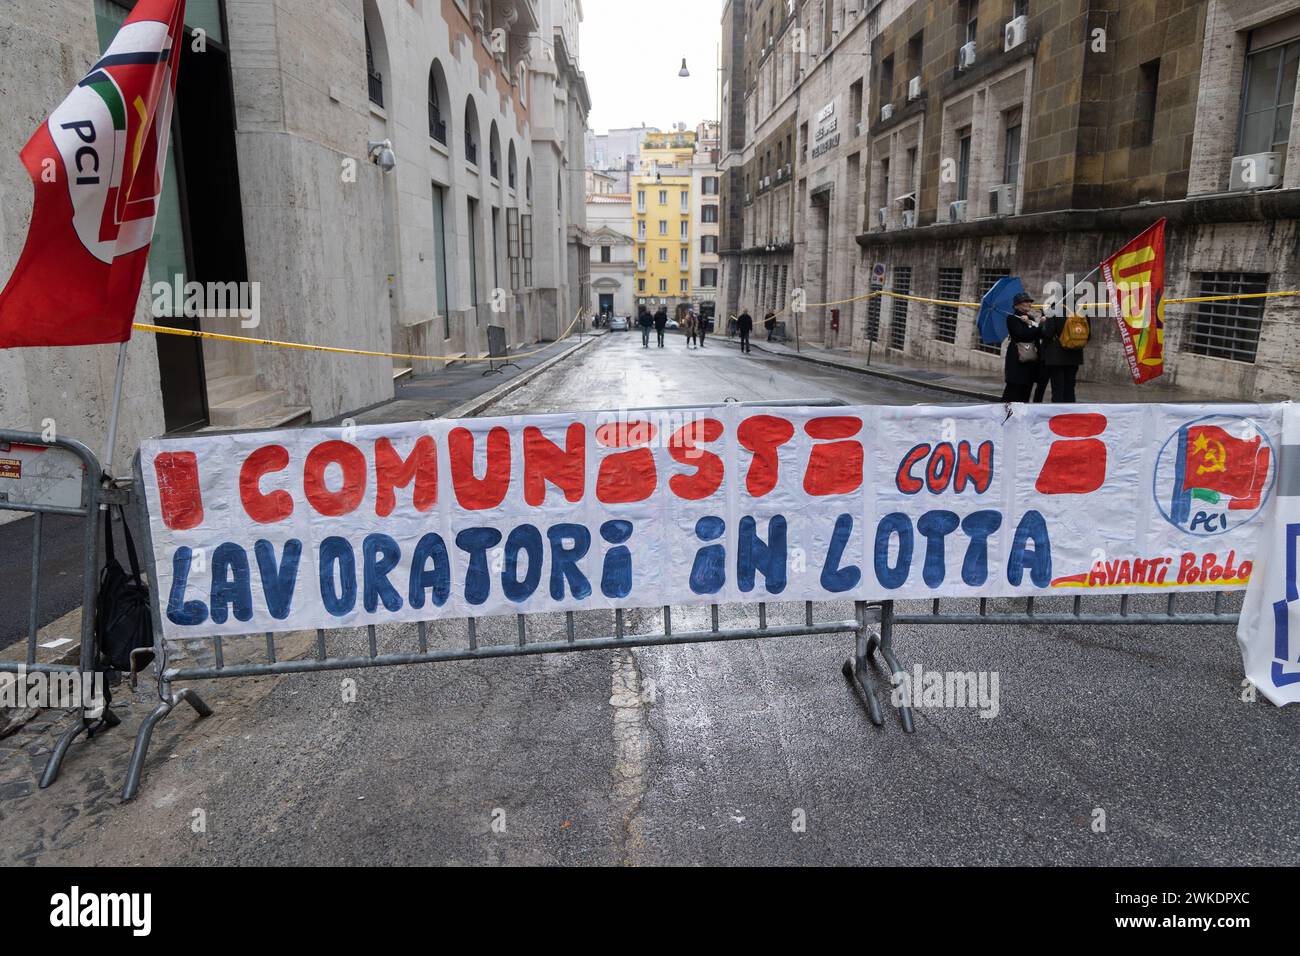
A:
344,527
826,135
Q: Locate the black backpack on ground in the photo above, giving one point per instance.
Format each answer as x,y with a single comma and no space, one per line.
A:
123,612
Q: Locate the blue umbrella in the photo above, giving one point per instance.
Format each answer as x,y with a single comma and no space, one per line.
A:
995,307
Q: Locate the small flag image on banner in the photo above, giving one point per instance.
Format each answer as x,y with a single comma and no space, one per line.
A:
97,165
1135,282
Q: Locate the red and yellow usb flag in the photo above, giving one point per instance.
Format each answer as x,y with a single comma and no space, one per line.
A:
97,167
1135,279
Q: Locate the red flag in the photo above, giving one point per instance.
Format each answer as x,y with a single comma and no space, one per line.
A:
97,167
1221,464
1135,279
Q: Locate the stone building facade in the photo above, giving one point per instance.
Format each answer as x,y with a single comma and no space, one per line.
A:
613,260
705,219
981,138
275,178
663,219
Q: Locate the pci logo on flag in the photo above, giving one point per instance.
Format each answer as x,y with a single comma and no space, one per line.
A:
110,149
1214,474
96,166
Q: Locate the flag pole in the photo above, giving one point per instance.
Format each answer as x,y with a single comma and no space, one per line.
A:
112,412
1095,270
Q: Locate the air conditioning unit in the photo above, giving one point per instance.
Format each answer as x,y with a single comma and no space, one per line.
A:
857,129
1015,32
957,211
882,217
909,218
1256,171
914,89
966,56
789,168
1002,200
886,112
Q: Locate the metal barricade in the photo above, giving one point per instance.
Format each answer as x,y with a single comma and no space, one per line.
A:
872,623
497,349
58,476
887,617
526,643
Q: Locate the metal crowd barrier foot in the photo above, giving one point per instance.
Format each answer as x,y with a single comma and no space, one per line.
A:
108,721
885,642
136,767
855,668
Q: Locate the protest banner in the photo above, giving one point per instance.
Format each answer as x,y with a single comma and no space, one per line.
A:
328,527
1269,628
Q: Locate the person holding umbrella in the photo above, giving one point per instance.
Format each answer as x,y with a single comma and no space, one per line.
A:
1023,362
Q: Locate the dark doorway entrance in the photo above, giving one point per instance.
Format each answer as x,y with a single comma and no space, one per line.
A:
606,303
199,233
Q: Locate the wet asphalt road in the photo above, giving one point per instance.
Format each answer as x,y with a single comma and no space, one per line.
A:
714,753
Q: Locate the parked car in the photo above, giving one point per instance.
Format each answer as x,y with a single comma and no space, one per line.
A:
672,324
619,323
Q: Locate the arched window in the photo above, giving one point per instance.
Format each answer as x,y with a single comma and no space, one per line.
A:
471,131
374,80
437,124
512,167
494,152
528,181
372,27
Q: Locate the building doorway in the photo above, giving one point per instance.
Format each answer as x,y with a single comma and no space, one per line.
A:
199,232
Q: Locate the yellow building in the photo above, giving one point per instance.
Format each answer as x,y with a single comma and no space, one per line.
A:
662,204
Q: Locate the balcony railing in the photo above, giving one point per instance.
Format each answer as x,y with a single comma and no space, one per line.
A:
375,82
471,151
493,167
437,125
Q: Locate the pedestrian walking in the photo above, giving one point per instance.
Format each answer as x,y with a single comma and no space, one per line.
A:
744,325
661,323
690,327
769,323
645,320
1064,337
703,326
1023,362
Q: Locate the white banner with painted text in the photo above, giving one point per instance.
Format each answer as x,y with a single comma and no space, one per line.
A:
342,527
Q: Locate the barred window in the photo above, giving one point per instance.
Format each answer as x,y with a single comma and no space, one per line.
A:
526,228
898,317
1228,330
945,316
873,314
988,279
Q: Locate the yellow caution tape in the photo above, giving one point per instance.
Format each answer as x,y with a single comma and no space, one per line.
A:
885,293
335,350
1191,300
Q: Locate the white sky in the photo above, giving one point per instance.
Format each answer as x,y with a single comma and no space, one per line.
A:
631,51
